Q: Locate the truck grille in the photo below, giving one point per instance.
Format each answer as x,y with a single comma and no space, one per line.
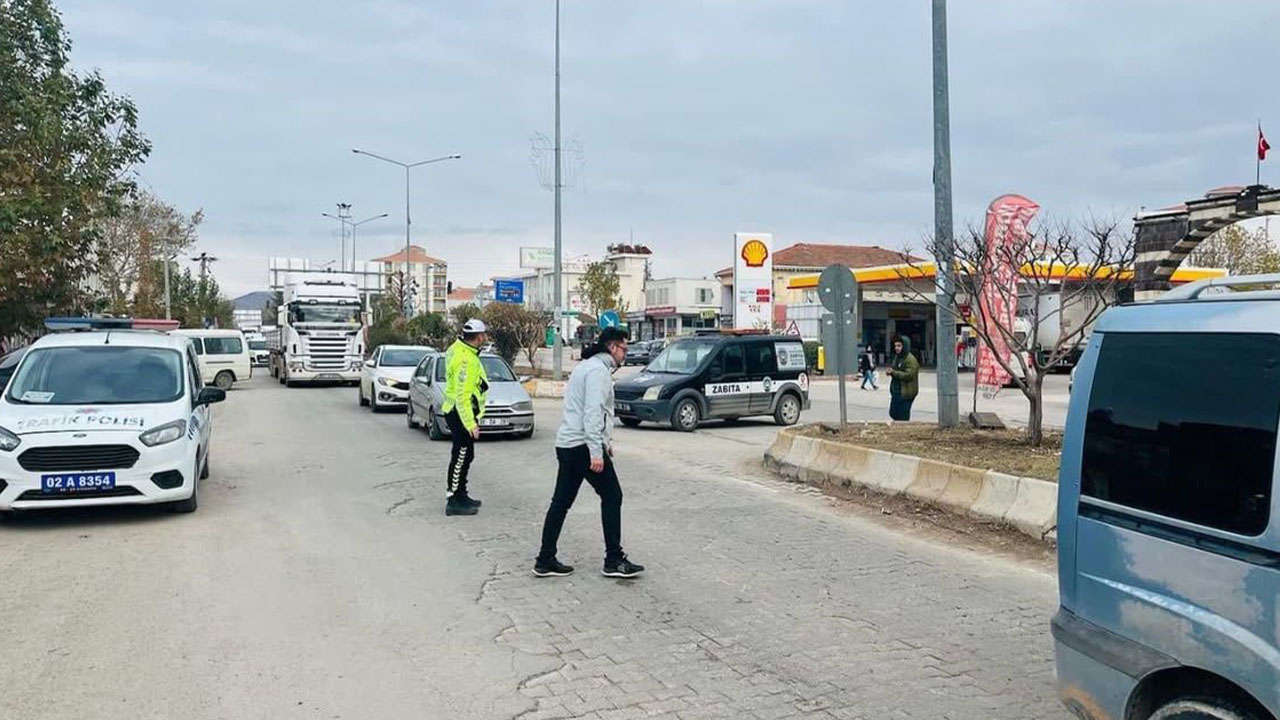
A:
327,353
78,457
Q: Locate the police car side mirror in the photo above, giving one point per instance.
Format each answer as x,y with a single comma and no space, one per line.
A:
210,395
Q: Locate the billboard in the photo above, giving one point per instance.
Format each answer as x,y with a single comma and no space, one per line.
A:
753,281
536,258
508,291
1006,224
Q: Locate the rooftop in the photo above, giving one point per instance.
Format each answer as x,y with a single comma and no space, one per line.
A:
417,256
811,256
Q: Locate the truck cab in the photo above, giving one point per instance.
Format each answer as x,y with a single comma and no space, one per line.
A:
319,334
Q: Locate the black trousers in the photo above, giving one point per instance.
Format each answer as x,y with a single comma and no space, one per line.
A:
900,407
575,466
464,451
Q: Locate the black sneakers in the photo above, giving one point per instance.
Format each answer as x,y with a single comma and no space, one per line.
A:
459,506
622,568
552,568
467,499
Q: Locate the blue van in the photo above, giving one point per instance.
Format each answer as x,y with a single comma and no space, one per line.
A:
1168,559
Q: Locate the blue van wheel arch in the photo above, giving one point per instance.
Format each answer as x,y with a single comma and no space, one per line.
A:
1170,684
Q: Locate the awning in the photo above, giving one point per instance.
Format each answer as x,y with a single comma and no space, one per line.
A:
1050,271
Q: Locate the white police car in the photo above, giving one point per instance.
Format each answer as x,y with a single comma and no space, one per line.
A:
105,417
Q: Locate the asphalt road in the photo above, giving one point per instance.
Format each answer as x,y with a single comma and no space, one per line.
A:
321,579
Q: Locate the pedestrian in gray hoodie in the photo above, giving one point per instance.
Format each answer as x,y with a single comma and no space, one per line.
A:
584,450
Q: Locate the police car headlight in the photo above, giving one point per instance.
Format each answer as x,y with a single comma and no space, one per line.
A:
653,392
9,441
166,433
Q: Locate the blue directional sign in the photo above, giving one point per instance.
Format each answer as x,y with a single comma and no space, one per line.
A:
509,291
610,319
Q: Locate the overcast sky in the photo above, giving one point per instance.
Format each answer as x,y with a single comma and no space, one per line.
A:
810,119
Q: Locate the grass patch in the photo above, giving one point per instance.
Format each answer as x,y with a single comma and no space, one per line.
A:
1005,451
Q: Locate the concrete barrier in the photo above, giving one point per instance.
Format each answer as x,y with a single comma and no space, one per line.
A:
544,388
1027,504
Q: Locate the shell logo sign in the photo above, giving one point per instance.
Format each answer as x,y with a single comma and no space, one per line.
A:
754,253
753,281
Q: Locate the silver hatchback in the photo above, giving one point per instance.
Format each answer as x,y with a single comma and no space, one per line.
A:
508,408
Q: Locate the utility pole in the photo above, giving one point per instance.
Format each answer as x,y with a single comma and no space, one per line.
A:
948,382
559,302
168,309
344,217
204,259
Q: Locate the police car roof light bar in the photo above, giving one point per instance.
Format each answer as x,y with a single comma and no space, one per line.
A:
81,324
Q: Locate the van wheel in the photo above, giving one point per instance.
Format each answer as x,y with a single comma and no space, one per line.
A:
224,380
788,411
433,426
1201,709
685,416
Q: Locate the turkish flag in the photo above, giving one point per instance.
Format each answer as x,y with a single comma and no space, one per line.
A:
1263,145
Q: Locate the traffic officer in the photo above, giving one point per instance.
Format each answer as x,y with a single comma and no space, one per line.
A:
464,396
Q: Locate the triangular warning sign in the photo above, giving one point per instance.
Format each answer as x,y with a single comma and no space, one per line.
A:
793,329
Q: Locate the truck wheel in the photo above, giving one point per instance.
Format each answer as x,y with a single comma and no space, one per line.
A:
224,380
685,416
788,411
1197,708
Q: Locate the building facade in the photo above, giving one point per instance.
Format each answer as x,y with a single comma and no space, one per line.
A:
428,278
675,306
539,285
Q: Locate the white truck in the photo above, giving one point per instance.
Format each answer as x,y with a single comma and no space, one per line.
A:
1058,320
319,332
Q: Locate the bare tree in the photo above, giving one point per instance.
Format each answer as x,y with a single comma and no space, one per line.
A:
147,231
1068,275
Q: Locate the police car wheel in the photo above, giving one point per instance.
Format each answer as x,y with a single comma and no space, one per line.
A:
190,504
788,411
685,416
1197,708
204,469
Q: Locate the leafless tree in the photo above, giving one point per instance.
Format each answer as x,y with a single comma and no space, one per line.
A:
1069,274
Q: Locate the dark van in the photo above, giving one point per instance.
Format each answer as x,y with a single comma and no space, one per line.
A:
726,376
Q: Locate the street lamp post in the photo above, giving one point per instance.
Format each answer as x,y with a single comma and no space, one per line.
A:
347,222
407,221
948,382
558,362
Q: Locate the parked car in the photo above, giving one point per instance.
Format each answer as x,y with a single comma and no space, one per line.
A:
105,418
508,408
384,379
1168,545
727,376
223,354
638,353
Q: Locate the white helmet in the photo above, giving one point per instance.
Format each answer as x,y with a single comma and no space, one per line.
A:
474,326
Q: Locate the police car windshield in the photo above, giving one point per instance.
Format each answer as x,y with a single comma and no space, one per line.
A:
682,358
98,375
497,369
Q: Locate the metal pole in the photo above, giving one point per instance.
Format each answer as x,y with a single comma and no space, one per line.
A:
559,301
404,281
840,361
948,383
168,312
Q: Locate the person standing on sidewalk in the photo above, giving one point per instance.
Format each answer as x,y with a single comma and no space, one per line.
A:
867,366
905,383
464,396
584,451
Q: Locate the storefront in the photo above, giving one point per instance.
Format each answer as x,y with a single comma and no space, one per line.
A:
667,321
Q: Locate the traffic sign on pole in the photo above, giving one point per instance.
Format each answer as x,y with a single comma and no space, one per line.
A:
610,319
838,291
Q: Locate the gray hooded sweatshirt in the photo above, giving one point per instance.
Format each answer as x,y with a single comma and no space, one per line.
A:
588,406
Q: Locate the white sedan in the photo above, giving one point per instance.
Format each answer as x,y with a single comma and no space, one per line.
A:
384,381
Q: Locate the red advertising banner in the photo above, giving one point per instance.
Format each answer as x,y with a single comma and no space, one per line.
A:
1006,224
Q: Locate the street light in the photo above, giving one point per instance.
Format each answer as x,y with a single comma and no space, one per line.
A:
346,221
407,221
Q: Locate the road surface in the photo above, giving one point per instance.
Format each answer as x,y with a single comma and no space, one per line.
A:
321,579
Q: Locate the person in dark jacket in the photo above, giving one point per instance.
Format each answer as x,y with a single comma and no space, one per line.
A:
905,384
867,366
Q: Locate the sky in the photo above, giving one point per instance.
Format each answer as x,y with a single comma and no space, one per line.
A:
809,119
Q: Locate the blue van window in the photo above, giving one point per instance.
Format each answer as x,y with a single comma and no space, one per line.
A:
1184,425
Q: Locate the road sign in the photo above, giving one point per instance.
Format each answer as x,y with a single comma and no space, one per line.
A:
837,289
793,329
610,319
537,258
838,292
509,291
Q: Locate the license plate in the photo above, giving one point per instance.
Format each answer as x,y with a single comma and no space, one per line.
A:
77,482
328,376
492,422
622,407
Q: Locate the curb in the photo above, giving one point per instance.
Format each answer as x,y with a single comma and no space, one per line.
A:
1028,504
